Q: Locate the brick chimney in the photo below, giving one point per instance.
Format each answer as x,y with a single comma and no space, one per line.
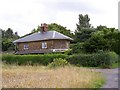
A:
44,27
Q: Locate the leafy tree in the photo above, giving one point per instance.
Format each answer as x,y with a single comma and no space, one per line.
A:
36,30
77,48
83,35
84,29
116,45
95,43
100,27
61,29
6,44
106,39
54,27
9,33
7,39
83,22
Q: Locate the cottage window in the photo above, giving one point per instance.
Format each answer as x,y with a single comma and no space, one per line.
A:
44,45
25,46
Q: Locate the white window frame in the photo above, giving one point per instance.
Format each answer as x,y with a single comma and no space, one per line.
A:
44,45
26,46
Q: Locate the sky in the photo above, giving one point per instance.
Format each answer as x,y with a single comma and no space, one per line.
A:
24,15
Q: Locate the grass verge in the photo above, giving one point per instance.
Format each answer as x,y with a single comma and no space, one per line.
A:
115,65
43,77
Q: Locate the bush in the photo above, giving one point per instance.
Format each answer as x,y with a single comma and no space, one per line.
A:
68,52
114,57
77,48
31,59
58,62
101,59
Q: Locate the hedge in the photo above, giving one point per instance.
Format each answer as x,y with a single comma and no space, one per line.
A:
31,59
100,59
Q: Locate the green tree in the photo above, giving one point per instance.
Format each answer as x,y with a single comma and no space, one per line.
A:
7,39
9,33
83,22
61,29
36,30
84,29
116,44
96,43
7,45
106,39
101,27
54,27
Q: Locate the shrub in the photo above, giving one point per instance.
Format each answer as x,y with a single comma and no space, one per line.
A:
68,52
58,62
114,57
101,59
77,48
31,59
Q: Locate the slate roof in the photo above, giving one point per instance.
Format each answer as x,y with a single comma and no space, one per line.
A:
43,36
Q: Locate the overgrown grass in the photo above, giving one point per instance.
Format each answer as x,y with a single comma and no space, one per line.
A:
43,77
115,65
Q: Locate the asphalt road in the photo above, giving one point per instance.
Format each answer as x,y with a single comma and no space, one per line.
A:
112,77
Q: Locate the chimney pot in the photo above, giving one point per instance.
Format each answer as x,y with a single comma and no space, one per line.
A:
44,27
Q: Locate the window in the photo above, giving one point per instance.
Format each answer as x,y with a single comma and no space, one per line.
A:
25,46
44,45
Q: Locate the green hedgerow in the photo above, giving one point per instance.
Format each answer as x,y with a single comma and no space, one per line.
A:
37,59
102,59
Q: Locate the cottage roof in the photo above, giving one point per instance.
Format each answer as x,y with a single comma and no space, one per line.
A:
43,36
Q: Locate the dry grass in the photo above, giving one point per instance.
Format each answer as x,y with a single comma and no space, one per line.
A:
43,77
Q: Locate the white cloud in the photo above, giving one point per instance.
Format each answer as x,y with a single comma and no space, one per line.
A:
24,15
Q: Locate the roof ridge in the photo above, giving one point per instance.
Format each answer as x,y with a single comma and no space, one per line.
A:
53,34
63,35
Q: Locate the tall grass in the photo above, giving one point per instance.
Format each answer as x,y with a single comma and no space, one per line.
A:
43,77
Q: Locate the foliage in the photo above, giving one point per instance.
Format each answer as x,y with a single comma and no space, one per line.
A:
116,45
101,59
106,39
60,29
9,33
7,39
33,31
83,35
96,43
58,62
31,59
68,52
84,29
77,48
83,22
54,27
101,27
7,44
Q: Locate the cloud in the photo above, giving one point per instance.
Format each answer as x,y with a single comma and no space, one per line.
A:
72,7
24,15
